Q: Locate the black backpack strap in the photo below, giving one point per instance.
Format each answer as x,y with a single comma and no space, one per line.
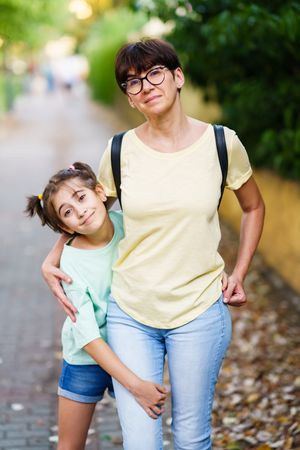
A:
222,154
116,145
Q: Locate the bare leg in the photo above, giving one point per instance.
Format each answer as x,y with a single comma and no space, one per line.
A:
74,419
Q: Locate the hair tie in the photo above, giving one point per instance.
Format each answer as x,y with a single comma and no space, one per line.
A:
40,196
71,167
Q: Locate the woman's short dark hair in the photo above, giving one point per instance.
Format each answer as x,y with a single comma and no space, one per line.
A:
142,55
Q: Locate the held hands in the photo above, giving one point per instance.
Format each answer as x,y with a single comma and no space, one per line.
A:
233,290
53,277
151,397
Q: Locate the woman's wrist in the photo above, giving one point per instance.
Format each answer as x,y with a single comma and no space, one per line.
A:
239,274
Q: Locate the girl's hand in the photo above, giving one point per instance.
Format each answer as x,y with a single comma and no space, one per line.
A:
53,277
151,397
234,294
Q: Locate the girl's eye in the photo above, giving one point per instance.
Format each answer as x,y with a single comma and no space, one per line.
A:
81,197
67,212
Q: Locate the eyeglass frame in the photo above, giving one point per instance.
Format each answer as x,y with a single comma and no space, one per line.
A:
141,79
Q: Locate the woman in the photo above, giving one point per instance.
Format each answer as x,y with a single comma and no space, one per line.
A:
167,285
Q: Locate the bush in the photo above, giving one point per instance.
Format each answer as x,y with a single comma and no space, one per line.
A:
102,44
246,56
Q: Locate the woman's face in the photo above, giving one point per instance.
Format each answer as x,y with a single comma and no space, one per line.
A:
154,100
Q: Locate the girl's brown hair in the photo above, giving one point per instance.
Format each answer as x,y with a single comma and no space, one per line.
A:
142,55
42,204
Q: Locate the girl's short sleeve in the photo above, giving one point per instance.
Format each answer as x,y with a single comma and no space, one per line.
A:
105,175
239,169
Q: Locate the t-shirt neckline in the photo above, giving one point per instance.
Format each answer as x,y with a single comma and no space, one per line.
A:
178,153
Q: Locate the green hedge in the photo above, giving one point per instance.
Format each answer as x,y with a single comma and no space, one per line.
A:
103,42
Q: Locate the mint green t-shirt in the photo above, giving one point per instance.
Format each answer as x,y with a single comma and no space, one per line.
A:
91,272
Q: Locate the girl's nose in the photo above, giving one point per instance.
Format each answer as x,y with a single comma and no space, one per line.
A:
82,212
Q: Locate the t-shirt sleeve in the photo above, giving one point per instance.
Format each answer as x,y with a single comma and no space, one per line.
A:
86,328
239,169
105,175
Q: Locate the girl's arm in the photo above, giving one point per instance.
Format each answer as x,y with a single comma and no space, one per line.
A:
53,277
86,336
253,209
151,396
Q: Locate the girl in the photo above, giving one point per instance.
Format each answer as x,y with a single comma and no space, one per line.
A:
73,203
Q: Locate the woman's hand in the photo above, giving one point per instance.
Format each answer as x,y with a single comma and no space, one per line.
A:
53,277
234,293
224,281
151,397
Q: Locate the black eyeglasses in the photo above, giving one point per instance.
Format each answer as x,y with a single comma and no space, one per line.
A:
154,76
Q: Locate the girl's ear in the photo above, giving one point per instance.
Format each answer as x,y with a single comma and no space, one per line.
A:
100,191
67,230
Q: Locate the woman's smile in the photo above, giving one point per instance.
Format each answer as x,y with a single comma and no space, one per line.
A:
152,98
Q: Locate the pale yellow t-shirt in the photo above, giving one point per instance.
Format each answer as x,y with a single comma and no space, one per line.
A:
169,269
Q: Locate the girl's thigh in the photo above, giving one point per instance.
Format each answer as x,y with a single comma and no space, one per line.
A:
140,348
195,354
74,419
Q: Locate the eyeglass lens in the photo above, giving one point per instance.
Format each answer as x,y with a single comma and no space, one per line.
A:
155,77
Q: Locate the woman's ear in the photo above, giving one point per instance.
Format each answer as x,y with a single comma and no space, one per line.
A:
100,191
130,102
179,77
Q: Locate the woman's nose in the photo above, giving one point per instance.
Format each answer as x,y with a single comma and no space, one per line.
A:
146,85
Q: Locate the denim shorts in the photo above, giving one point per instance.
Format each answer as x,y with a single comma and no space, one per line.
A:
84,383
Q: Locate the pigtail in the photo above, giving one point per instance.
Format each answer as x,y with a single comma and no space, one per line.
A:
34,207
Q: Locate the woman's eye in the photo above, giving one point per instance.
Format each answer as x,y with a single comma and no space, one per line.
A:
155,72
81,197
133,83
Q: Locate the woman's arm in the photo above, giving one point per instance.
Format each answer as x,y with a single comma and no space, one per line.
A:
151,396
253,208
53,277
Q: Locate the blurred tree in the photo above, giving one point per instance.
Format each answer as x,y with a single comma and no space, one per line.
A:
246,56
106,36
20,21
24,26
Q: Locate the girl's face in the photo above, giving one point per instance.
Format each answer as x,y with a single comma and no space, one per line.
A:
79,208
156,100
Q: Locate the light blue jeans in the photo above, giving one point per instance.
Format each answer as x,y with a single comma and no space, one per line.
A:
195,352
